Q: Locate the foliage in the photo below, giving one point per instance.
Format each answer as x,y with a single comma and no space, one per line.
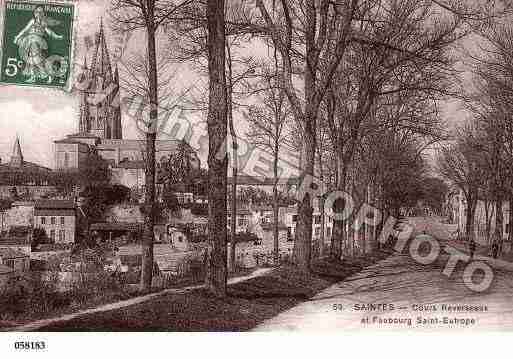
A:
169,199
199,209
39,236
5,204
434,192
98,197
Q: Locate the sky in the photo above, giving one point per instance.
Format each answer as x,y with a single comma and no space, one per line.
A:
40,116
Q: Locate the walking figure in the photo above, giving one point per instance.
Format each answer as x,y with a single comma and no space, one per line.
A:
495,249
472,248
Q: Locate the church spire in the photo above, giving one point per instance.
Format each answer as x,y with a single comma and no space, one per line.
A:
101,65
84,109
17,156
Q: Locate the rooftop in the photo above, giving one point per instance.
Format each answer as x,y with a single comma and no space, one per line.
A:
116,226
55,204
130,164
9,253
5,269
54,212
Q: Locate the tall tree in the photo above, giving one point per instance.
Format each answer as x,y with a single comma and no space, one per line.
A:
268,131
148,16
325,29
463,164
217,155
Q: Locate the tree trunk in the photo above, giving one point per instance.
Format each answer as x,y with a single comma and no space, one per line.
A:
149,219
510,218
303,242
338,235
215,280
276,207
487,220
322,200
469,225
499,218
235,167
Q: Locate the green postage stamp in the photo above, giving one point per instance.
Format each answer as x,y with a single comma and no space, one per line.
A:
37,43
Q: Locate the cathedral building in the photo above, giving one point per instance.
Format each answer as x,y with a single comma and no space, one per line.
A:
100,126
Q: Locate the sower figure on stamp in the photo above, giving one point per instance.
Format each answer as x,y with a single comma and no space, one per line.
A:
32,45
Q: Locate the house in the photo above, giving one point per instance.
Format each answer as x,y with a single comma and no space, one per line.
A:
243,220
201,199
18,261
283,231
58,218
184,197
112,230
288,216
20,214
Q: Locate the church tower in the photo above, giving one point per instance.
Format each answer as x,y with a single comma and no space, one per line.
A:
100,114
17,156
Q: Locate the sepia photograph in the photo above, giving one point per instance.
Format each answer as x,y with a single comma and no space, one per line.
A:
331,166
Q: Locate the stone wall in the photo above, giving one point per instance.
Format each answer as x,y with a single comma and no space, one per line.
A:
124,213
18,216
32,192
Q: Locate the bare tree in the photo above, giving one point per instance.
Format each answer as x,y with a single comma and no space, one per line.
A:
268,131
325,30
462,164
147,15
217,156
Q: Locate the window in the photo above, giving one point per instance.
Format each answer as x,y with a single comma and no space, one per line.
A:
52,220
43,220
242,221
180,239
294,218
10,263
62,236
328,231
317,231
52,234
66,159
317,219
62,221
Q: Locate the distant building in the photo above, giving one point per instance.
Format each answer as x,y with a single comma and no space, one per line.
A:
100,127
58,218
132,231
184,197
6,276
289,217
23,179
18,164
14,259
243,220
20,214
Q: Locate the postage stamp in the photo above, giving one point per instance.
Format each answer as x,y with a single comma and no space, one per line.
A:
37,43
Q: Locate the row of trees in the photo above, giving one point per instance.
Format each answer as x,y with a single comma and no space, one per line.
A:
355,84
479,160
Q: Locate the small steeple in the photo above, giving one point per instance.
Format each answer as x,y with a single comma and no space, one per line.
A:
17,156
